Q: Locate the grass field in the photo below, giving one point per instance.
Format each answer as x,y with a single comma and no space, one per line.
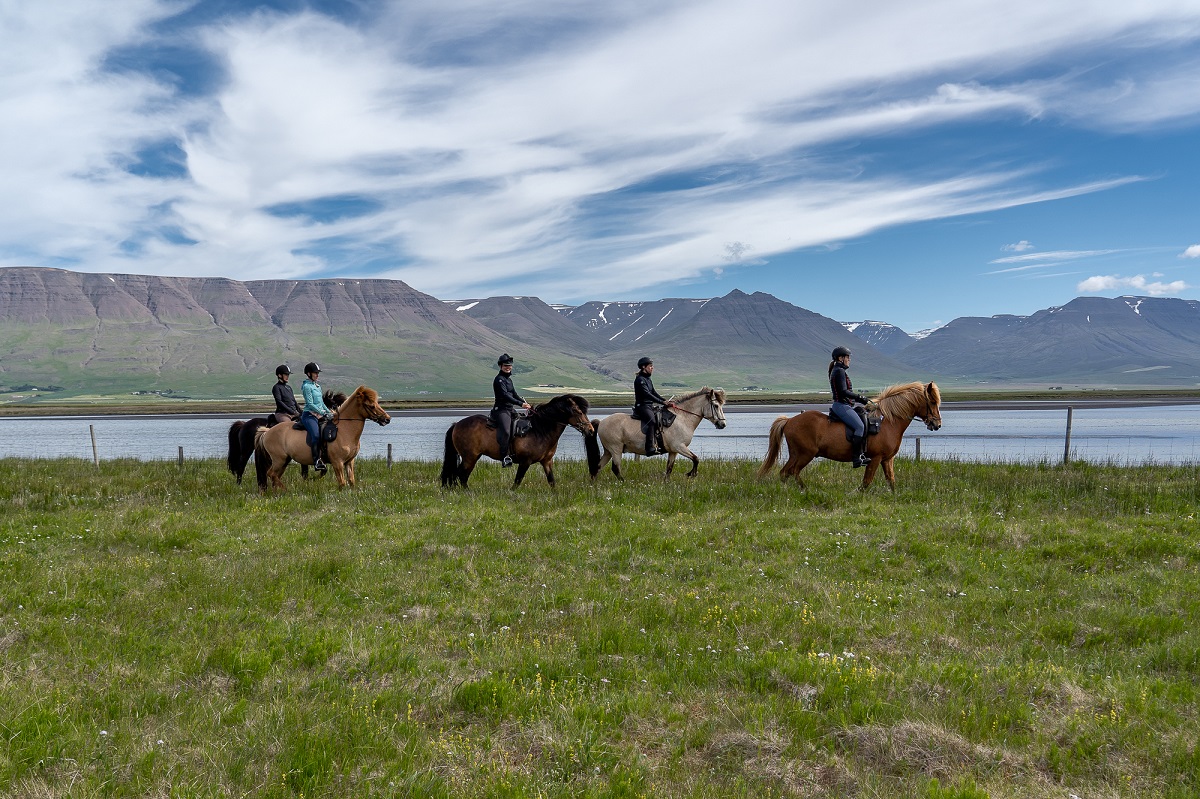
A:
986,631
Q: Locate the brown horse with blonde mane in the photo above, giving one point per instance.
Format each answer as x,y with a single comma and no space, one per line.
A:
241,437
813,434
276,447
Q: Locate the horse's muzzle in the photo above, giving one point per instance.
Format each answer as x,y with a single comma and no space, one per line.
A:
933,424
720,425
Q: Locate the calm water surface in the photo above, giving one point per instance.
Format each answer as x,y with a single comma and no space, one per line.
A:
1129,435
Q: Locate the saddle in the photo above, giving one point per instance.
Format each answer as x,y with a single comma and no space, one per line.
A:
326,433
521,424
661,419
871,421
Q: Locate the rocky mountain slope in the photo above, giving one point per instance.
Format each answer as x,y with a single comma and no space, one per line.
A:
886,338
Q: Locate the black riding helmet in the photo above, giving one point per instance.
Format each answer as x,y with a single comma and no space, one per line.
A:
503,359
839,352
311,367
643,362
282,369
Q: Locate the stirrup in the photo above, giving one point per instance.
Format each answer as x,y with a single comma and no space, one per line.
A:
508,461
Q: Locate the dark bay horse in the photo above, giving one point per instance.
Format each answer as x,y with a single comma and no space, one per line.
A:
278,446
471,438
241,437
811,434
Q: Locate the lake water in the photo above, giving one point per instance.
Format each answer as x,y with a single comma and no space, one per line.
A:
1127,435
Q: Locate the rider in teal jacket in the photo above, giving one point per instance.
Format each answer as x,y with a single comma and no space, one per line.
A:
314,411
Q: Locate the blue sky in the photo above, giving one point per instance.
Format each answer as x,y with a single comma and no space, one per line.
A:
904,162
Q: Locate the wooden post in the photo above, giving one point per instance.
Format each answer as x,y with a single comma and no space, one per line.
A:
1067,445
918,441
95,453
181,456
389,456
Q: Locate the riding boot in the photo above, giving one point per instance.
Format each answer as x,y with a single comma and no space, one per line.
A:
859,445
651,444
318,464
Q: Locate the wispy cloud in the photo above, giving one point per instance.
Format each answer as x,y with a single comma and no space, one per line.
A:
1154,288
1057,255
1020,246
463,145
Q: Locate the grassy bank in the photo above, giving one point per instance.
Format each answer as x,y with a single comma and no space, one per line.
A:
1002,631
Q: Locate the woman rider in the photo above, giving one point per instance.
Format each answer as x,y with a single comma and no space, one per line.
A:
285,401
844,398
506,399
314,411
644,400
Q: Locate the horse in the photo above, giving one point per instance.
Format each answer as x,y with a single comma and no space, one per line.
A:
276,447
812,434
469,439
622,433
241,437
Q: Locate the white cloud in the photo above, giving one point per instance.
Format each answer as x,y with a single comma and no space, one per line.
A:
1100,283
496,152
1191,252
1020,246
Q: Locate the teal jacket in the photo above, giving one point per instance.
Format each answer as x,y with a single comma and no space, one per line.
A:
312,399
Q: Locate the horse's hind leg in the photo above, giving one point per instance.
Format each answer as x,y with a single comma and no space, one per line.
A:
670,464
605,459
796,462
548,468
465,469
869,475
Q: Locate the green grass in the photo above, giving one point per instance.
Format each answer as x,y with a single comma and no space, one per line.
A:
986,631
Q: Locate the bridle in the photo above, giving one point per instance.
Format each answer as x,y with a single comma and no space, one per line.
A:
712,410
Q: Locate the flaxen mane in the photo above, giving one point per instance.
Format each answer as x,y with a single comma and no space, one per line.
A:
906,399
718,394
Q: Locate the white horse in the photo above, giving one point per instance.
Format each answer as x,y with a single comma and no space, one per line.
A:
622,433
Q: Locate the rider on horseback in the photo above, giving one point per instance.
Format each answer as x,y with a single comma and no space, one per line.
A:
844,398
285,401
314,412
507,399
646,403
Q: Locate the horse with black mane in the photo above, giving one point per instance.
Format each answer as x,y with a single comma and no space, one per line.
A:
241,437
469,439
813,434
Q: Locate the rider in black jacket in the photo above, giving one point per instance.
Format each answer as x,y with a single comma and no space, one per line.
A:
507,399
286,408
646,402
844,398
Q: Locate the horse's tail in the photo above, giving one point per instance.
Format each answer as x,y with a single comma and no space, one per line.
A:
235,449
262,458
591,444
450,461
773,447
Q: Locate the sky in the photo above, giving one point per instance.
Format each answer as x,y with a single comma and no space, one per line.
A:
902,162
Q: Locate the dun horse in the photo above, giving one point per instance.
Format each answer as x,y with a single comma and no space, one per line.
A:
811,434
621,433
241,437
469,439
278,446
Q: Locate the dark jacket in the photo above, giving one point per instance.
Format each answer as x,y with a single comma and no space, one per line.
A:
645,397
843,391
506,395
285,400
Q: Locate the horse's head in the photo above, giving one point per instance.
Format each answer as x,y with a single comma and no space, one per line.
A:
715,411
569,409
364,403
933,407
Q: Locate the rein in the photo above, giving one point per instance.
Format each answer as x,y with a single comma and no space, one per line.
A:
693,413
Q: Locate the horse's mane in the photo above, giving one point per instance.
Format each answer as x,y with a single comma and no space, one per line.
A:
718,394
557,410
906,399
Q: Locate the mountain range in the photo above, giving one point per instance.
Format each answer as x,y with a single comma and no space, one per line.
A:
111,334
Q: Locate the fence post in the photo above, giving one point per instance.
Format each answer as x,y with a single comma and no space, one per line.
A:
95,453
389,456
918,442
180,455
1067,445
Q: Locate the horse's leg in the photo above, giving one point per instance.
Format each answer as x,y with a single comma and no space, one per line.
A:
605,459
350,472
889,471
276,473
670,463
548,468
468,465
869,474
695,461
339,473
796,462
521,469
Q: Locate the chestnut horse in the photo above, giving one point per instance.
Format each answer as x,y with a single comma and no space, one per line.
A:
241,437
471,438
276,447
622,433
812,434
